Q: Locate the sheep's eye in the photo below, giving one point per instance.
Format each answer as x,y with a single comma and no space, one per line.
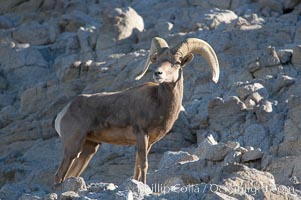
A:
177,64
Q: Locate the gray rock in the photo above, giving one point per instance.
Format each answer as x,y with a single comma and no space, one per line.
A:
69,195
285,169
29,6
269,58
226,114
32,33
290,4
53,50
29,197
296,56
252,155
75,184
256,136
285,55
10,191
264,111
135,189
163,28
281,82
297,40
221,4
50,196
252,94
101,187
233,157
211,150
3,83
245,91
126,195
6,99
172,158
292,139
247,183
119,24
86,39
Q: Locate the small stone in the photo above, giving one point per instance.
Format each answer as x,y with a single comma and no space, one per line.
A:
233,157
172,158
252,155
51,196
124,195
211,150
269,58
74,184
285,55
233,145
139,189
32,33
69,195
242,149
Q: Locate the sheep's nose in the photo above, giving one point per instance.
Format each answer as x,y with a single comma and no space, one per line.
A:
158,73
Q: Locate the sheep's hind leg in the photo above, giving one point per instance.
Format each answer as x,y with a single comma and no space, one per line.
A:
70,152
79,165
137,172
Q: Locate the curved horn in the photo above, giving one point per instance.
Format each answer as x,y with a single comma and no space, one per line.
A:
197,46
156,45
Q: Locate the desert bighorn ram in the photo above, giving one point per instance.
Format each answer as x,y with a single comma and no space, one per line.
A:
139,116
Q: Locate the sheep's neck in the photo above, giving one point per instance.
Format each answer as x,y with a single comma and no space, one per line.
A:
171,95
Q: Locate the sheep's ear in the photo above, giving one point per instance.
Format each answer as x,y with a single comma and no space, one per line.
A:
187,59
153,58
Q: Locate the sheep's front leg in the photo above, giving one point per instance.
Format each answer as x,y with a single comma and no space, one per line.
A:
137,171
141,159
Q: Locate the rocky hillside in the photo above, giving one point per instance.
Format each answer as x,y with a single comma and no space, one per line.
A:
238,139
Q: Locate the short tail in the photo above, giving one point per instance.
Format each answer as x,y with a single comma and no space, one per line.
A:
57,120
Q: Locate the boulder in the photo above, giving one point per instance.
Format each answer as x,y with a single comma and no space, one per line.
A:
33,33
118,24
255,135
241,182
291,139
101,187
137,190
252,155
69,195
211,150
76,184
226,114
53,50
172,158
233,157
271,4
50,196
285,55
286,170
252,94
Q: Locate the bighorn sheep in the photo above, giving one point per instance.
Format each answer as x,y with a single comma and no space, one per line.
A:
140,115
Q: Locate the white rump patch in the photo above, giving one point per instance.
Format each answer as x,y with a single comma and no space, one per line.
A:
58,119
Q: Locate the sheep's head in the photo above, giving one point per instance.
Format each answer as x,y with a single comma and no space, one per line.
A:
169,61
